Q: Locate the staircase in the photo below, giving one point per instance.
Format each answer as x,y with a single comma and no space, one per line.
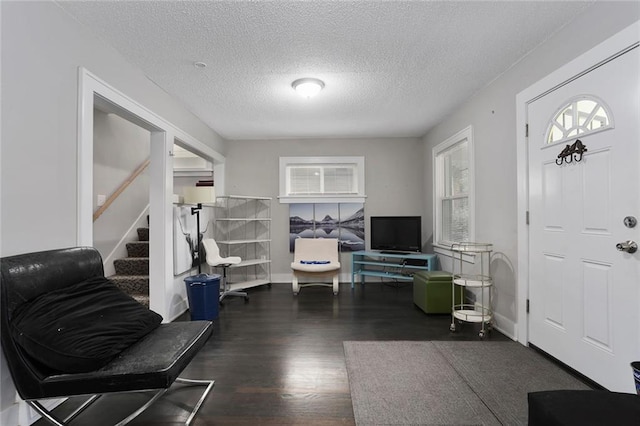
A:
132,272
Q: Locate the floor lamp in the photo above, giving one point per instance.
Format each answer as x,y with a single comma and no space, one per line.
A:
196,211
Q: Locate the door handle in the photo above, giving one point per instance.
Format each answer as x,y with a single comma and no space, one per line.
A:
628,246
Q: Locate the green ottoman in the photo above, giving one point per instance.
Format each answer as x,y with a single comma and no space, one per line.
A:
432,292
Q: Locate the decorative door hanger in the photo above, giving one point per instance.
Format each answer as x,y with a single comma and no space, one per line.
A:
571,153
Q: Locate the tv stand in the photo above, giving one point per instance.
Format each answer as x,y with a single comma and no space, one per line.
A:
394,252
392,265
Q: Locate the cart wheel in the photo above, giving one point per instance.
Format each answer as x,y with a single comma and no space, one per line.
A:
481,334
246,298
452,327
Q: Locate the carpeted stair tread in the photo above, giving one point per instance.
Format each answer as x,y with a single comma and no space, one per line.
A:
141,298
143,234
132,266
132,272
138,249
132,284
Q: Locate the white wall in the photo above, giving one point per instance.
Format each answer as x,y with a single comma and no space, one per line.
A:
119,148
493,116
393,182
42,49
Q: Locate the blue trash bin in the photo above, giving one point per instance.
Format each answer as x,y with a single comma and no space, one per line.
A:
203,291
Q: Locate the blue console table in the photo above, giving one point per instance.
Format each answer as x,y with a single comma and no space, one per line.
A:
396,266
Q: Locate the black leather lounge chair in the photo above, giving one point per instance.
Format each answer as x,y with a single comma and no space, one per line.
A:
72,281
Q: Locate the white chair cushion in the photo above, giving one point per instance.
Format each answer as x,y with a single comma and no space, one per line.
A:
231,260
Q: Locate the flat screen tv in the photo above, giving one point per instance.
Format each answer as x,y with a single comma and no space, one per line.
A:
396,233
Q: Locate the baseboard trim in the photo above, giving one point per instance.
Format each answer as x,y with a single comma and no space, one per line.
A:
505,326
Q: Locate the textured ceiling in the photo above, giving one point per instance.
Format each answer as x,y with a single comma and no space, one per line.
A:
391,68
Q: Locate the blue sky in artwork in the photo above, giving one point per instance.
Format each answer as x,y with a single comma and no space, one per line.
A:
348,209
323,210
304,211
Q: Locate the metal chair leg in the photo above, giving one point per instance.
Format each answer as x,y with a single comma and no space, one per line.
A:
225,291
47,415
193,382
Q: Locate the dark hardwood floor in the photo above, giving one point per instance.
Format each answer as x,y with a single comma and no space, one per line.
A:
278,359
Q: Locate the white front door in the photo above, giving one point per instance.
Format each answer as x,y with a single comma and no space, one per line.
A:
584,293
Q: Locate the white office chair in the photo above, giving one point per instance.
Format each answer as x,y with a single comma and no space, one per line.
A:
214,259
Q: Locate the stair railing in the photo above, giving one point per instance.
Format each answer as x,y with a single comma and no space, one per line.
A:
121,189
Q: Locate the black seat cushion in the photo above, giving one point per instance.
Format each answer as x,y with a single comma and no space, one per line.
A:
583,407
81,327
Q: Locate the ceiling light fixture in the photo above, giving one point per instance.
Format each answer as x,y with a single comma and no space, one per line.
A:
308,87
199,65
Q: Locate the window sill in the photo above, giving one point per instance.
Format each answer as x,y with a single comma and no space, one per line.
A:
322,199
444,250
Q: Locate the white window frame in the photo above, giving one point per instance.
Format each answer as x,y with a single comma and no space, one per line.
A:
440,247
358,196
581,130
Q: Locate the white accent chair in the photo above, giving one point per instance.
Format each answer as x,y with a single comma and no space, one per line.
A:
214,259
316,258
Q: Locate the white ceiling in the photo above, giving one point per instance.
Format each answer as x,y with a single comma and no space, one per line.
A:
391,68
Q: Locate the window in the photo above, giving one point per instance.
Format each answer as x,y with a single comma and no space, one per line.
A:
581,116
322,179
453,189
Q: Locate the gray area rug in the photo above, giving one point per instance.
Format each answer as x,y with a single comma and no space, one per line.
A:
447,383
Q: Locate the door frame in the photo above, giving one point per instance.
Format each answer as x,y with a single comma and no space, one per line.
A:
91,91
604,52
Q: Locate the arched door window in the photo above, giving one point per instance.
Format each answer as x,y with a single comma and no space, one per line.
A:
579,117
